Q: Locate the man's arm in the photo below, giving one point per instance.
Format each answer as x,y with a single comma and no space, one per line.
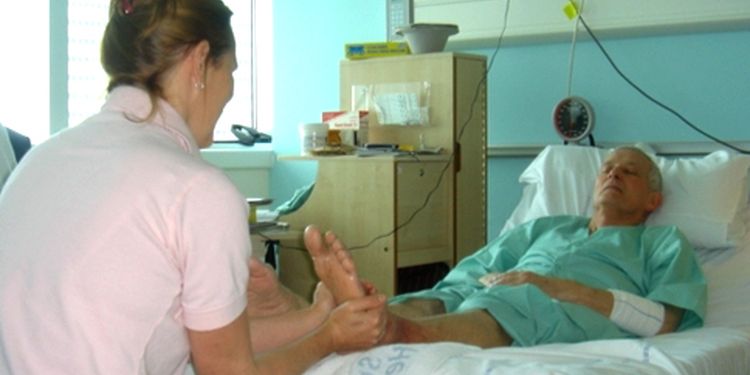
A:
672,318
571,291
601,300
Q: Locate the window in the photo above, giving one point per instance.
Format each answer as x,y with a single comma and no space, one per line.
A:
87,82
24,69
24,96
253,97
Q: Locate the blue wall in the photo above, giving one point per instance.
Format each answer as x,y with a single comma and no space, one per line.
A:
705,77
309,39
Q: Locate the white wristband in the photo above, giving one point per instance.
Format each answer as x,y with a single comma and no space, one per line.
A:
636,314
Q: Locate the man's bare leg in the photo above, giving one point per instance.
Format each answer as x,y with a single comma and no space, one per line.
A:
472,327
333,265
418,324
418,308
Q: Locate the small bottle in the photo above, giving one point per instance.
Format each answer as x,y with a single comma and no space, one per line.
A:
333,138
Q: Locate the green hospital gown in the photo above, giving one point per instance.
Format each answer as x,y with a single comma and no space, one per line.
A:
654,262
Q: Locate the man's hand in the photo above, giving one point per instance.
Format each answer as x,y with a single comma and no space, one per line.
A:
560,289
571,291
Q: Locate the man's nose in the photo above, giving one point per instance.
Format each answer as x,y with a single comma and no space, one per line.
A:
614,172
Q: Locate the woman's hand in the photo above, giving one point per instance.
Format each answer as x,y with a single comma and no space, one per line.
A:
323,301
357,324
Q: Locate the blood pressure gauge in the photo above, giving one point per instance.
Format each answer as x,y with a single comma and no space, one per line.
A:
573,119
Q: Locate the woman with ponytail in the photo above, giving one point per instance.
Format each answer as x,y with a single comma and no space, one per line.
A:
123,252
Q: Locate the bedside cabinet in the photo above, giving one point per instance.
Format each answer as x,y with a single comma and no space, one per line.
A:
390,210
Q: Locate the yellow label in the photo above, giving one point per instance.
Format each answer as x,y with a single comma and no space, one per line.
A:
365,50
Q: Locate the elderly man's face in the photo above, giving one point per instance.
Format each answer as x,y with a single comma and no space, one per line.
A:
622,184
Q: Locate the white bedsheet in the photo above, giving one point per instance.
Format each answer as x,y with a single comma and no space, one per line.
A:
712,350
722,346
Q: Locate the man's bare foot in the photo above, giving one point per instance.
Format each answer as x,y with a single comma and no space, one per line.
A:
265,295
333,265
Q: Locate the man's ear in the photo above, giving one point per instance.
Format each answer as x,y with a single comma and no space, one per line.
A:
655,199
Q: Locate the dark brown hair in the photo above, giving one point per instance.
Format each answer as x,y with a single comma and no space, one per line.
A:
145,38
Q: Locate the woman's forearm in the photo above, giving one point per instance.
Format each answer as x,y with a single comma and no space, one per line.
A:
269,333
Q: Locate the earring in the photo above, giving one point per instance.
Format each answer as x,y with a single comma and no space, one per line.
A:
127,6
199,85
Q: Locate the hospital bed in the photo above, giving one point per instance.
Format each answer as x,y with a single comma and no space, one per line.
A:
705,196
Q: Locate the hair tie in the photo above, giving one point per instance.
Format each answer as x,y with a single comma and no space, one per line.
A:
127,6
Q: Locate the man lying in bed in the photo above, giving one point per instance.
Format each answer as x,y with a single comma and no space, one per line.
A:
555,279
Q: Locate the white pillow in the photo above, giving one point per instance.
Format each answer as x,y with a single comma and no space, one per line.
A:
706,197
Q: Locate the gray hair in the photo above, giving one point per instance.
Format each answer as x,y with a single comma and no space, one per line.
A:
654,174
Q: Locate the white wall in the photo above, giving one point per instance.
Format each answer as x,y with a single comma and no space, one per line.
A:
544,20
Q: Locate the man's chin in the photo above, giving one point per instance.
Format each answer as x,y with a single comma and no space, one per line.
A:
607,200
609,193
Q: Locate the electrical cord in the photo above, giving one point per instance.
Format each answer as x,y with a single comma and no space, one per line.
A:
571,57
451,156
651,98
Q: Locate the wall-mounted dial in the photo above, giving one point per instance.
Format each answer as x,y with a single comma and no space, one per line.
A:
573,119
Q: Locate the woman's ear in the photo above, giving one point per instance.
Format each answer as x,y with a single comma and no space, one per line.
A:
198,57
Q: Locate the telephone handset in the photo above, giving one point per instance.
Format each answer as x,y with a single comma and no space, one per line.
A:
249,136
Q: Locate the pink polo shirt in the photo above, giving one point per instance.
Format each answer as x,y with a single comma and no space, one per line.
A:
114,236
